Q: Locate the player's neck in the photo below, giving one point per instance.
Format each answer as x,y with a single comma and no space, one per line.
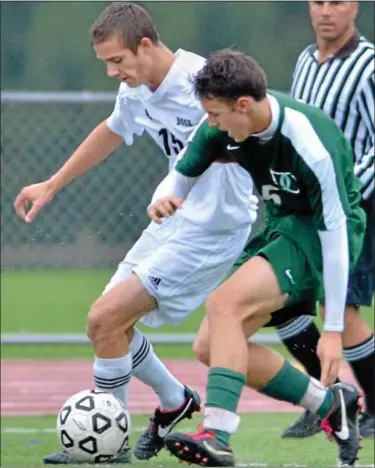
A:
163,59
328,48
261,117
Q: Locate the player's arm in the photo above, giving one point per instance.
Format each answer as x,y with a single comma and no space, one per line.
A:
99,144
365,169
328,201
192,161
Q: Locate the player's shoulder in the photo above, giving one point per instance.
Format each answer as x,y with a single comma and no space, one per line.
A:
185,68
298,114
189,62
204,132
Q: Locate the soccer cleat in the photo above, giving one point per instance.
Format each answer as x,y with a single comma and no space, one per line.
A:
63,458
307,425
341,423
367,425
202,449
152,440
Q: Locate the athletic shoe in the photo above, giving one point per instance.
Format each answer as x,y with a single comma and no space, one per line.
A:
202,449
307,425
341,423
162,422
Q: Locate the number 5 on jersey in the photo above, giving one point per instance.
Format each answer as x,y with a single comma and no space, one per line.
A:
269,192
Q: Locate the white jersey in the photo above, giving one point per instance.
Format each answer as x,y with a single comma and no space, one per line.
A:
169,115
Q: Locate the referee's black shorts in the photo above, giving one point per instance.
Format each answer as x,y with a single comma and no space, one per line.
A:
361,282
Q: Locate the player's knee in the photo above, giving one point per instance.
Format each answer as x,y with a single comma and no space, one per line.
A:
201,348
221,308
217,308
99,324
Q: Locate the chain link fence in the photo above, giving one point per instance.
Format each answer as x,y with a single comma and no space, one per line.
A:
96,219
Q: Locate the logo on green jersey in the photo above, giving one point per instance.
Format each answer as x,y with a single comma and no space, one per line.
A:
286,181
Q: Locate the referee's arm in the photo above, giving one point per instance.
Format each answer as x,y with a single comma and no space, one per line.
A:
365,169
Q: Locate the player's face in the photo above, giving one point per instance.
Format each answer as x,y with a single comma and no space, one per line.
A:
331,20
232,118
123,64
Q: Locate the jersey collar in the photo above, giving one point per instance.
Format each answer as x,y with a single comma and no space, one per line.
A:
343,53
169,80
269,133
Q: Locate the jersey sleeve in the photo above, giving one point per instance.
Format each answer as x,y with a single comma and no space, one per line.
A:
325,159
121,121
328,202
200,152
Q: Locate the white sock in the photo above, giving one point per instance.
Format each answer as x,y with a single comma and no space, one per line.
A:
113,375
148,368
220,419
314,396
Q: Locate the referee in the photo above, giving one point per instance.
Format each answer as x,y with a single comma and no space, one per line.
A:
337,75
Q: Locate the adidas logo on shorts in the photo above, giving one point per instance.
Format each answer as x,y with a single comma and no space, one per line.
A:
155,281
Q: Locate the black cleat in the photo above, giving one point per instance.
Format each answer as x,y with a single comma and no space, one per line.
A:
367,425
341,424
307,425
63,458
152,440
202,449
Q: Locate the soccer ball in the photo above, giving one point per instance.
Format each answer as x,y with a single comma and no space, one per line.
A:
93,426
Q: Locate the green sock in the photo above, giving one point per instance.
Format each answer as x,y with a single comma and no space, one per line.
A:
326,406
291,385
224,390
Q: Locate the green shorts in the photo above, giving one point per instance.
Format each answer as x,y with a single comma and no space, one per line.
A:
292,246
288,261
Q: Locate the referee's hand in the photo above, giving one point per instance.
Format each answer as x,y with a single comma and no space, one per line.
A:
163,208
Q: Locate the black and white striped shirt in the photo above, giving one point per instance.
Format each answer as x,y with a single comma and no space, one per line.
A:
343,87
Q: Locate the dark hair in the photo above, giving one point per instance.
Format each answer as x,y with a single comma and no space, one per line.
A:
229,74
128,20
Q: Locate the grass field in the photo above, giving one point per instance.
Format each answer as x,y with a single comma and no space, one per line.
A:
257,443
58,301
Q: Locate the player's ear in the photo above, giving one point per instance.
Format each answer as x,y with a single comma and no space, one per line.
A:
145,43
243,104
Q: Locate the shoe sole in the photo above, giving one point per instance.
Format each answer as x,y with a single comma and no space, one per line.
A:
191,451
297,435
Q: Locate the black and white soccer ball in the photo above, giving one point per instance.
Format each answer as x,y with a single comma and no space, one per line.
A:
93,426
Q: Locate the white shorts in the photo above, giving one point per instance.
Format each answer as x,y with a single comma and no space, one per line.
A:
180,265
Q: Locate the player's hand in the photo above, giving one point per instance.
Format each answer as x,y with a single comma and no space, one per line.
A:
163,208
32,199
329,351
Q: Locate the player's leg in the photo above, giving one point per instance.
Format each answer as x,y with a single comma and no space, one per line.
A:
358,341
358,338
148,243
114,374
177,401
237,309
189,266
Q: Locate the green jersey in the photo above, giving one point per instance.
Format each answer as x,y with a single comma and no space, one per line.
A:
304,173
305,169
